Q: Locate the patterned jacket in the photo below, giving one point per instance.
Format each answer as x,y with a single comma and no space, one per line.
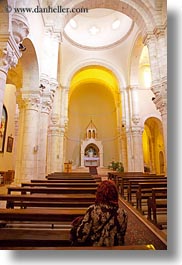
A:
112,233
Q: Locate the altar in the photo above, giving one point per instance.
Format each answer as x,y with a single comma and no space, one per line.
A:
91,148
91,161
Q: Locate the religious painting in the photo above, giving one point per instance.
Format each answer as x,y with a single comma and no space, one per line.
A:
3,125
10,144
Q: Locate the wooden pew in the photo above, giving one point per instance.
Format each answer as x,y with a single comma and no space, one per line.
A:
59,185
48,200
68,177
124,181
20,237
63,181
41,215
158,200
145,190
132,184
50,239
71,175
53,190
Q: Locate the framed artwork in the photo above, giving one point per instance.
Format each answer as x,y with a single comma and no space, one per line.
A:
3,125
10,144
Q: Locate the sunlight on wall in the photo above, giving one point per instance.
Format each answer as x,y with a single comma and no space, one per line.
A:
93,95
96,74
146,153
144,69
153,146
147,77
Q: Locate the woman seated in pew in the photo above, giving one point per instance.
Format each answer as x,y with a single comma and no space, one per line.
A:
104,223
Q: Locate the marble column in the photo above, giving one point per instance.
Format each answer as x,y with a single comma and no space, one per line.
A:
123,140
27,159
138,162
136,133
55,135
135,104
130,156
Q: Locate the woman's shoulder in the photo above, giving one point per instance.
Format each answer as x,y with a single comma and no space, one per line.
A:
122,211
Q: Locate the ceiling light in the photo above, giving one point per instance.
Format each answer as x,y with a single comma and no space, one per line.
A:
94,30
116,24
73,23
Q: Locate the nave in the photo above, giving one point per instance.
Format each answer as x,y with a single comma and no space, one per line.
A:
38,214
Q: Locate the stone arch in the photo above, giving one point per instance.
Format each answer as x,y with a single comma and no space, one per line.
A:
106,64
135,57
29,64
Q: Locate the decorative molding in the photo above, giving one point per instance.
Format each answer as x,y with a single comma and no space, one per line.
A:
136,119
55,119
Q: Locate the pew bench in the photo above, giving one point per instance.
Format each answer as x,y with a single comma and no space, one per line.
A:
157,201
41,215
145,190
47,200
69,176
63,181
50,239
124,181
132,185
52,190
19,237
66,184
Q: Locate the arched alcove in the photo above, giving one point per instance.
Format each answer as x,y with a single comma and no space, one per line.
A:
153,146
93,95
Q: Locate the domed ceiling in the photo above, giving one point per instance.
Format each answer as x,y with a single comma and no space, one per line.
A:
98,28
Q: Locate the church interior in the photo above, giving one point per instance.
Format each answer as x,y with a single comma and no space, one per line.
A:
83,94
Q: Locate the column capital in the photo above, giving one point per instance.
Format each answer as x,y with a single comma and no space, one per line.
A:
148,37
29,99
8,58
159,31
161,103
20,27
48,88
137,130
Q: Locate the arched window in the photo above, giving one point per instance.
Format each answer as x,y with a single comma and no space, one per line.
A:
3,125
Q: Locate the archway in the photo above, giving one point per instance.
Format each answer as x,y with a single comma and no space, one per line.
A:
153,146
93,95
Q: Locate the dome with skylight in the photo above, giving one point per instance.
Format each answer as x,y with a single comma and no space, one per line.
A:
92,29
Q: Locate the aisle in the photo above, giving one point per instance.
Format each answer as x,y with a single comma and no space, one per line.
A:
141,231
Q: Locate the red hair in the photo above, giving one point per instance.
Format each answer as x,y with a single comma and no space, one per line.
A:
107,193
